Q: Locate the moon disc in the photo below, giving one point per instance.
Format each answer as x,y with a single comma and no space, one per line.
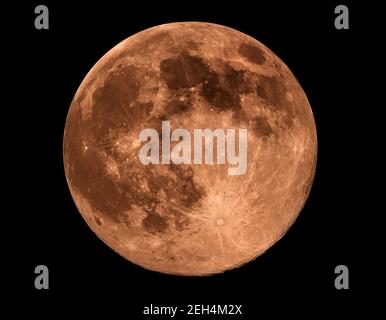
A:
189,219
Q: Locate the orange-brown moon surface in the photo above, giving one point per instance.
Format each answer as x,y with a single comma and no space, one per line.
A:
189,219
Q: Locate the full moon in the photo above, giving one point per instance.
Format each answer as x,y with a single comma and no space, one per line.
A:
189,219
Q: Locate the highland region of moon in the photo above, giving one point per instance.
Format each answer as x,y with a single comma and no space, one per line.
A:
189,219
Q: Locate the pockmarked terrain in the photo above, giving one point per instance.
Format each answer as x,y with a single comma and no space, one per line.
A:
189,219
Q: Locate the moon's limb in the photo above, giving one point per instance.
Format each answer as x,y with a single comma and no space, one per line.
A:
189,219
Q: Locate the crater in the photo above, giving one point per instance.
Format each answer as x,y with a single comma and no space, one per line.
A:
252,53
219,222
98,221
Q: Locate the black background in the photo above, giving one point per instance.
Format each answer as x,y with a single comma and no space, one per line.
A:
298,271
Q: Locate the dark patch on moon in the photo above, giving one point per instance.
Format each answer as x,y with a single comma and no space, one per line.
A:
183,72
222,90
154,223
177,106
262,126
261,92
218,96
236,80
184,189
156,182
252,53
273,91
113,98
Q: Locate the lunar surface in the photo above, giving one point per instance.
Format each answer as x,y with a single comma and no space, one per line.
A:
189,219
